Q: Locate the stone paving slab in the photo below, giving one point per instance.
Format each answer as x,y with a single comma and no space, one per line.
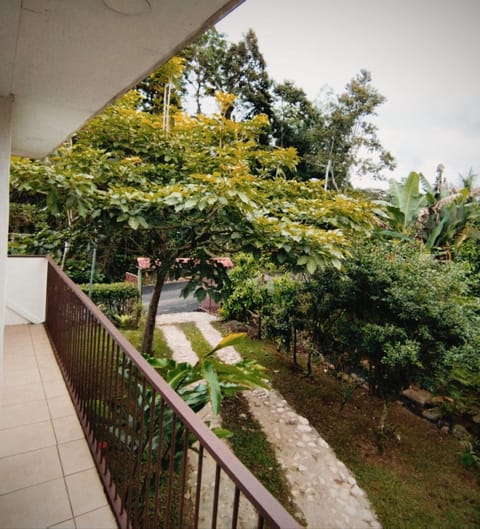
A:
178,342
324,490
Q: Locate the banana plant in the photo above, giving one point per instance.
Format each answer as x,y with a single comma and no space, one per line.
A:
207,382
404,206
210,379
454,226
442,222
452,218
151,435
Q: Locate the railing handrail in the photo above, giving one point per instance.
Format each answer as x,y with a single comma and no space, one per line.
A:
249,485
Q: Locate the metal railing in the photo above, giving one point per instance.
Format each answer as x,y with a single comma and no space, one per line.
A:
160,464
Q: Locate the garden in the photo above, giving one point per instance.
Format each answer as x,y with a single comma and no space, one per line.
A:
350,297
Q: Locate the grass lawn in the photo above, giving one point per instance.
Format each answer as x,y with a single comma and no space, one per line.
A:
160,347
418,482
199,344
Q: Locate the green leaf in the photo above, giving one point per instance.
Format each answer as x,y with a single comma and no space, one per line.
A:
214,390
142,221
302,260
243,197
432,239
282,256
406,198
133,223
190,203
179,374
311,265
336,263
244,374
229,340
200,293
222,433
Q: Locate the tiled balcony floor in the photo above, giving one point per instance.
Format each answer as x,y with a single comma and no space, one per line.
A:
47,475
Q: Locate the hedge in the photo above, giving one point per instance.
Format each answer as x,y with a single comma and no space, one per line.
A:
116,300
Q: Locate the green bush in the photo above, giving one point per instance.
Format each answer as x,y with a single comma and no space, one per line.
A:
246,301
460,380
396,310
274,302
394,314
284,315
246,293
79,271
119,301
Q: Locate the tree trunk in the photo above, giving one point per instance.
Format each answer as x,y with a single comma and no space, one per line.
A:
147,340
309,361
294,333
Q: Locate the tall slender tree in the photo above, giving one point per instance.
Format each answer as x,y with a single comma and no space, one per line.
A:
204,65
294,116
245,75
163,88
345,142
212,64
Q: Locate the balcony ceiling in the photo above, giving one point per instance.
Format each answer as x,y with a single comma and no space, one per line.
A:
65,60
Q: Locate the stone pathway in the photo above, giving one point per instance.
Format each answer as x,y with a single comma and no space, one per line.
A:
324,489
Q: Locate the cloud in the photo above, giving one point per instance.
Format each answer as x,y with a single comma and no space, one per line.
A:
423,56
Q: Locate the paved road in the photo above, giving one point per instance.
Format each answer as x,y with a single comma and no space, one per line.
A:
171,301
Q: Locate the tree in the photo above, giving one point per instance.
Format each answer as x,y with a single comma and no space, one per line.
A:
214,65
293,117
66,197
397,307
216,204
245,75
204,66
207,188
162,88
345,142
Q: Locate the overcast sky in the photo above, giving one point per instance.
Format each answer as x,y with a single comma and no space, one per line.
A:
424,56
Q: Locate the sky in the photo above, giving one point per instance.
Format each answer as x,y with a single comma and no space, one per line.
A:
424,57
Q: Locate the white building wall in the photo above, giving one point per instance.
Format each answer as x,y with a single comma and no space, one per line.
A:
5,149
26,290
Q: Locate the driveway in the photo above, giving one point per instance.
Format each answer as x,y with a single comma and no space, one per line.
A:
171,301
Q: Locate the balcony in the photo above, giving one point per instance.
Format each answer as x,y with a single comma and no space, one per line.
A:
92,436
48,474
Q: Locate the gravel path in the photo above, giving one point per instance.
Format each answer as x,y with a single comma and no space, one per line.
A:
324,489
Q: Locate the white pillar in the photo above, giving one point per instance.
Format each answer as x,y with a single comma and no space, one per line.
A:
5,150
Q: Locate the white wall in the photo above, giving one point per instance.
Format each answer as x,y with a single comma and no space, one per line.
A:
26,290
5,149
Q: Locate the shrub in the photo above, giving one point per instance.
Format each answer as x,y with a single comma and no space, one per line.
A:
246,301
79,271
400,311
246,293
394,314
284,314
119,301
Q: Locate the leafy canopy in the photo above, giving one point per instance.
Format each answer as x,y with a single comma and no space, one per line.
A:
206,188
